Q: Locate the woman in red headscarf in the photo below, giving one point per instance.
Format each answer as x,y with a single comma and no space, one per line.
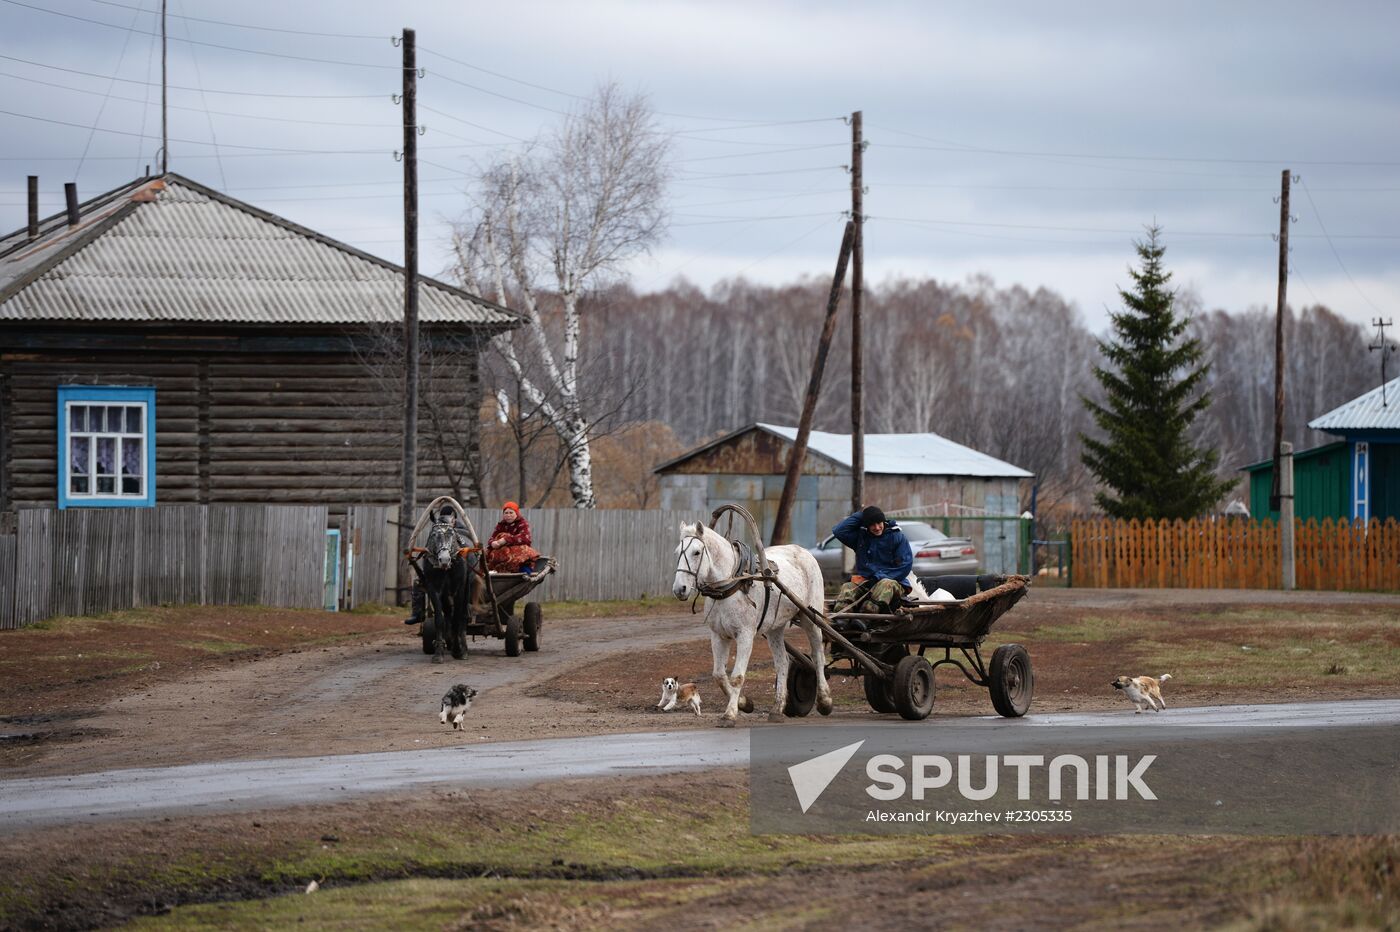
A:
508,550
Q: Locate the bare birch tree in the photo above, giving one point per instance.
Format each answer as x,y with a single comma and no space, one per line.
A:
553,223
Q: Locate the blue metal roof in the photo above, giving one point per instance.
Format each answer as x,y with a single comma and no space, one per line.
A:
1378,409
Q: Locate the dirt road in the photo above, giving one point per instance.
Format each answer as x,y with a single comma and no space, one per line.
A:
271,783
379,693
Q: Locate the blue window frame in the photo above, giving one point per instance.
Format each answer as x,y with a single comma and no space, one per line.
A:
106,446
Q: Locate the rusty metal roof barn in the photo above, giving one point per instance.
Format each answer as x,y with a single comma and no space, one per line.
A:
168,249
1378,409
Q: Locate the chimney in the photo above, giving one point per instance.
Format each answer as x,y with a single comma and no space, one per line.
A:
70,194
33,206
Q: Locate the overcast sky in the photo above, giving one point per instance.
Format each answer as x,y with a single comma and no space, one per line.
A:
1026,141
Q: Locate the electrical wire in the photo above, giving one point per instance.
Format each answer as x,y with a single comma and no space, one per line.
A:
1333,246
212,45
102,108
219,22
230,113
209,118
742,155
1135,158
182,87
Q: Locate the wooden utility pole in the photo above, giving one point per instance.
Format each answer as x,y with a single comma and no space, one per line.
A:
164,111
814,387
1283,219
857,287
1380,344
407,518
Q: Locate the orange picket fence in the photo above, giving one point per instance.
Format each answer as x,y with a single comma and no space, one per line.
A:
1228,553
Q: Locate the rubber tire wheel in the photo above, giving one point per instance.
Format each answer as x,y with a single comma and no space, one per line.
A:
801,691
1011,681
913,688
428,631
512,636
877,690
534,620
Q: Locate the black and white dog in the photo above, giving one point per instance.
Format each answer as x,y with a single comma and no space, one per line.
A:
456,703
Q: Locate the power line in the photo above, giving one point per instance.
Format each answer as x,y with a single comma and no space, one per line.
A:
181,87
479,126
742,155
230,113
212,45
479,89
713,220
102,108
1338,256
220,22
196,142
1134,158
1107,230
780,171
209,118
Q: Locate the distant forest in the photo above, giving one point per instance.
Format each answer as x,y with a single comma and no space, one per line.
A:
1002,370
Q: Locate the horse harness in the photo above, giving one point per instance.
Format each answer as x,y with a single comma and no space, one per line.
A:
741,581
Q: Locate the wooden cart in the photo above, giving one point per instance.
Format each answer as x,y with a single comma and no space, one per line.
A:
887,651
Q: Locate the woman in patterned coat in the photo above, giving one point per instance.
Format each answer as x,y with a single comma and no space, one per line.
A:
508,550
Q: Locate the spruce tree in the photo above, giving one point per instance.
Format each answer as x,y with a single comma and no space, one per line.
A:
1146,459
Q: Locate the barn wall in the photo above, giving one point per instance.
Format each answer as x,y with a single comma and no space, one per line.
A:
259,427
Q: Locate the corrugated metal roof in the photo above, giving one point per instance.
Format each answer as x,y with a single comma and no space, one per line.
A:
1378,409
170,249
906,454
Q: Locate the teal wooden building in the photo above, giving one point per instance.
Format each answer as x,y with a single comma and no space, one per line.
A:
1357,477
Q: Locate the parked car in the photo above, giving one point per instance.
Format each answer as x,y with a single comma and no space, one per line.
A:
935,553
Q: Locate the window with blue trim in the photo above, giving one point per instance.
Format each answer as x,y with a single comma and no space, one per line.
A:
106,446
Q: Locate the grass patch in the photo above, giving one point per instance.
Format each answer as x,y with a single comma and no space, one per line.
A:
216,646
467,858
647,605
1094,629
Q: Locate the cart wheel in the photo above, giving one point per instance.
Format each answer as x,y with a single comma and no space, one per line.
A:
534,619
877,690
801,691
512,636
913,688
429,632
1011,681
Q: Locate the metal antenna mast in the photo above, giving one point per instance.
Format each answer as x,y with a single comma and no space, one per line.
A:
164,90
1385,348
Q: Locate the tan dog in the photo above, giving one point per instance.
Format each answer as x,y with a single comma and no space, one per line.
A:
1144,691
674,693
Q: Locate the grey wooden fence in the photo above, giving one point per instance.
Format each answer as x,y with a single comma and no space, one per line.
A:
604,554
88,561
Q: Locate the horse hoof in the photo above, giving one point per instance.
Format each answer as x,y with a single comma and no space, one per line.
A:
824,706
746,704
725,723
437,658
776,716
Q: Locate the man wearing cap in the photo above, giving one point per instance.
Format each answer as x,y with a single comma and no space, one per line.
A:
883,560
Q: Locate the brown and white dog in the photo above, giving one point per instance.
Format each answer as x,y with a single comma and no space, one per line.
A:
674,693
1144,691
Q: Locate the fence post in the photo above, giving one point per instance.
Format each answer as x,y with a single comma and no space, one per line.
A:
1069,559
1285,488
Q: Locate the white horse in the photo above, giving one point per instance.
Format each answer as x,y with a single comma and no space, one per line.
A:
704,558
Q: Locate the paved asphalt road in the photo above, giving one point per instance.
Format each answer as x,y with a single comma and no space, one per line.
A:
266,784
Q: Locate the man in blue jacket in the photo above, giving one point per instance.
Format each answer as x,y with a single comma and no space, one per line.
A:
883,560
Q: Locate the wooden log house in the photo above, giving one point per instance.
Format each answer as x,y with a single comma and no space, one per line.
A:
166,343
